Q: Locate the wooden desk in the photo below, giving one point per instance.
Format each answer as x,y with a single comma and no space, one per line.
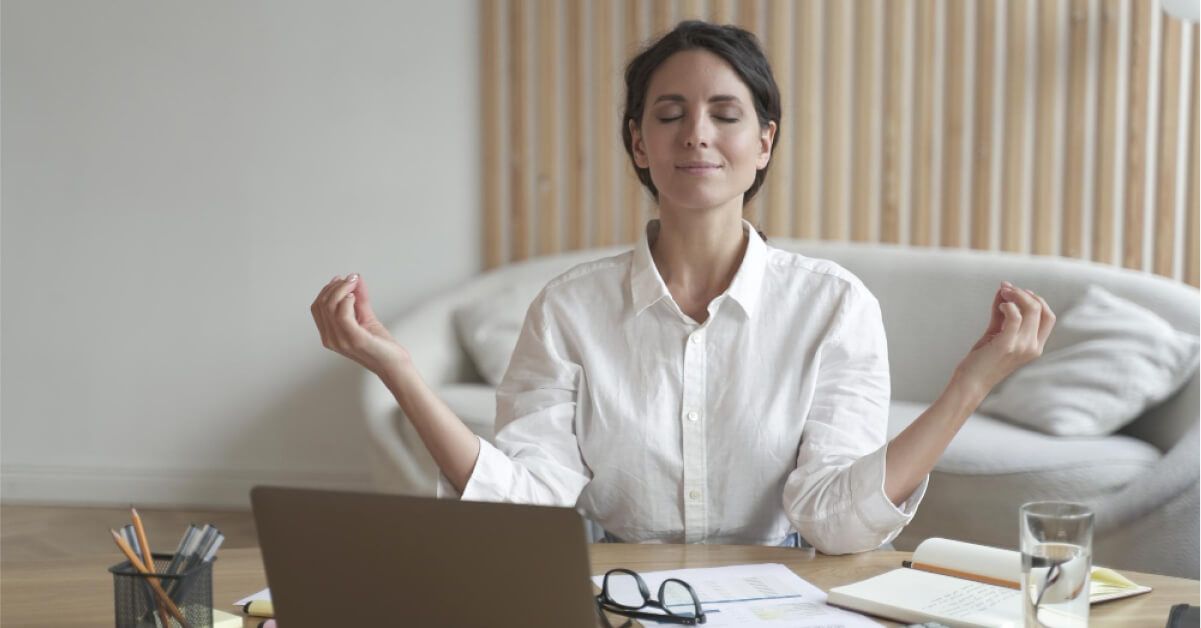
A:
79,591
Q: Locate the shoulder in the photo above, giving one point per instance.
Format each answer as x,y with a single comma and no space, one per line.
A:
793,270
585,285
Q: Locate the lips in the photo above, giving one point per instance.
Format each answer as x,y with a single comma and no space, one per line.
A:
698,167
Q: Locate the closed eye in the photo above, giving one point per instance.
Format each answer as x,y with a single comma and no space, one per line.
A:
717,117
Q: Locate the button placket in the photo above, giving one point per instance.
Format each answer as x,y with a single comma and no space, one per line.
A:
693,429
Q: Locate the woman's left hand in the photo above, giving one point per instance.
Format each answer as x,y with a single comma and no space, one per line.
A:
1017,332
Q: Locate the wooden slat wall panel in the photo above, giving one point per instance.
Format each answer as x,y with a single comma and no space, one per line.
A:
490,98
1071,242
604,119
633,206
955,55
979,179
810,138
1169,111
519,150
1192,230
1142,15
1108,128
1057,127
779,189
896,39
577,151
923,132
548,129
866,126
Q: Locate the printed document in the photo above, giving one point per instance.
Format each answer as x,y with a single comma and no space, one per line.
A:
770,595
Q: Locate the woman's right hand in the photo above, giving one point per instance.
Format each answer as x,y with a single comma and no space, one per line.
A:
347,325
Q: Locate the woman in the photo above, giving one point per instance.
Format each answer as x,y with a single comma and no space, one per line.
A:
703,387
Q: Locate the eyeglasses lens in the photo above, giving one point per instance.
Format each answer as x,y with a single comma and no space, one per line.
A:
678,600
623,589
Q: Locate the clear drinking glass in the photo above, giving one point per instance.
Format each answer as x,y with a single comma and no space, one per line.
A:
1057,556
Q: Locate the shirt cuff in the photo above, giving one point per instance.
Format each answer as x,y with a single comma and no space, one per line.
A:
481,485
873,505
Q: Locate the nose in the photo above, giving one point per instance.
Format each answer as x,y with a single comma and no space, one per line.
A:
698,132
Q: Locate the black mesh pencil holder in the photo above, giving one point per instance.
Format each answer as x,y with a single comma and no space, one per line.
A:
135,601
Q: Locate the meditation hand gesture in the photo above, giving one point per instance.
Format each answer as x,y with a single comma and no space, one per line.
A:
343,315
1017,332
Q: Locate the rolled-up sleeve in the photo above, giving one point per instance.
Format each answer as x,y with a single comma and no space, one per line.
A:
536,457
835,497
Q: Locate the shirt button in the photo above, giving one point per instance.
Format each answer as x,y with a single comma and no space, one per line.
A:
692,416
694,494
696,339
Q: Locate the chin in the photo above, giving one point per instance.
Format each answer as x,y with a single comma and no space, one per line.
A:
698,199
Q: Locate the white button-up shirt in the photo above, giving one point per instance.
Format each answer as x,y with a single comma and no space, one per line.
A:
768,418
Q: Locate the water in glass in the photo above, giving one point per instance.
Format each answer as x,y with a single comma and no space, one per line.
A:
1055,578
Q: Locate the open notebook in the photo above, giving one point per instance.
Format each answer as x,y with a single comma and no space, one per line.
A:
961,584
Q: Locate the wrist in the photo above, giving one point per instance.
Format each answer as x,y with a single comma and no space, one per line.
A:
967,391
395,372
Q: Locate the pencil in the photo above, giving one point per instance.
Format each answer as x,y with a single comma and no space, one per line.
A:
147,557
158,590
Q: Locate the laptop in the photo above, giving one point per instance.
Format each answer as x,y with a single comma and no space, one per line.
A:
338,558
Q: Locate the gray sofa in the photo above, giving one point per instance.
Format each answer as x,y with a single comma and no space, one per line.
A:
1142,481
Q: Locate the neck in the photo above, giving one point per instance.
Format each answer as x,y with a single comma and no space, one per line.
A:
698,252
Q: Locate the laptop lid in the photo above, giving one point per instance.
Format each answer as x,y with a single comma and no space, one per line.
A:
337,558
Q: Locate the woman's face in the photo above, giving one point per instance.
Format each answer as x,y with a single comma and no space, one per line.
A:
699,135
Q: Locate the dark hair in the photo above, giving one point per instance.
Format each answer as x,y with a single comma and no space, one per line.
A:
738,47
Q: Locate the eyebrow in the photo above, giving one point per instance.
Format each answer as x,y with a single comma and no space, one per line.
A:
679,98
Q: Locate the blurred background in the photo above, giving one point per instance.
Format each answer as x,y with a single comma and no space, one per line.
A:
180,180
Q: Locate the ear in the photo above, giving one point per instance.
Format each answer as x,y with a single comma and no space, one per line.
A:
638,146
766,137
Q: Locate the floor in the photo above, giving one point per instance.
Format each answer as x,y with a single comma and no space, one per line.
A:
49,532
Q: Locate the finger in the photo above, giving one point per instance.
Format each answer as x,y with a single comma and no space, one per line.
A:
333,302
362,301
1046,324
339,290
1012,326
319,314
360,292
347,327
995,317
1030,312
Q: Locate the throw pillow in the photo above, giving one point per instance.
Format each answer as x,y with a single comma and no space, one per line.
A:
489,328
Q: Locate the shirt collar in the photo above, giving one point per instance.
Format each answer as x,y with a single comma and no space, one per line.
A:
647,286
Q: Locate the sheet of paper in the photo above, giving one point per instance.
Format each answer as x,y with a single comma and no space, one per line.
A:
755,595
265,594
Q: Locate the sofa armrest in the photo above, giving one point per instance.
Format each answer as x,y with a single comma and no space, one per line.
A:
398,459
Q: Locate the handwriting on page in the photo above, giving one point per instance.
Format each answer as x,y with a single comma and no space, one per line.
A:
968,599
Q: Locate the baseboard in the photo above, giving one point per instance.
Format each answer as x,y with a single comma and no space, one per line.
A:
96,486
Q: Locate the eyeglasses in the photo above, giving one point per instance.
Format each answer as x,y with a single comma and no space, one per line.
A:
625,593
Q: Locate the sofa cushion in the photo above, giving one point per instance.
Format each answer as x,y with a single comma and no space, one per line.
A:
987,446
1106,362
992,467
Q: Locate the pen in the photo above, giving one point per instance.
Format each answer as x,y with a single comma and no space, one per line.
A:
158,590
183,544
147,557
185,559
181,590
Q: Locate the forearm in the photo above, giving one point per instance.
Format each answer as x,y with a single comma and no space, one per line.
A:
451,443
913,453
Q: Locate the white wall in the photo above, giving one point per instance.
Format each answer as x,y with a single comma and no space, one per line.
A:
179,181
